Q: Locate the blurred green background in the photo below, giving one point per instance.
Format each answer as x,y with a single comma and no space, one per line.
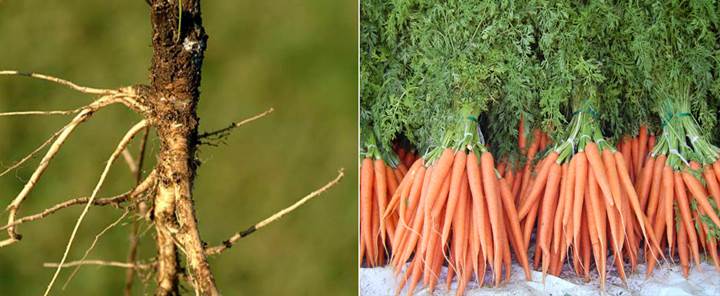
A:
299,57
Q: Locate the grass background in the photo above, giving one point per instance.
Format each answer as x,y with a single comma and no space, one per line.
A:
296,56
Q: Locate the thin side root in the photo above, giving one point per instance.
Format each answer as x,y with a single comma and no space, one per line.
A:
101,263
82,89
224,131
237,236
54,112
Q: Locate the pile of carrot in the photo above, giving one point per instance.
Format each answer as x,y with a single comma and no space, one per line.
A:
679,190
581,187
455,210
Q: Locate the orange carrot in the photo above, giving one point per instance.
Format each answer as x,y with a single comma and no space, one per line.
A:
461,230
381,195
542,177
403,189
415,278
432,246
509,176
530,222
436,264
645,179
642,143
684,206
616,235
593,236
682,239
505,247
457,179
592,210
534,146
613,179
655,190
585,246
465,278
543,141
401,223
366,188
402,168
410,243
713,250
712,183
698,192
559,259
412,200
362,245
419,190
549,203
391,181
560,209
390,214
408,158
581,174
668,188
651,141
397,175
635,152
490,189
635,204
626,149
523,194
514,225
658,227
598,211
374,251
570,192
404,278
598,169
480,213
615,215
452,265
440,172
716,168
517,184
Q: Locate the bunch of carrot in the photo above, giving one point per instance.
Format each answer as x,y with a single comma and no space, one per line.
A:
581,186
453,208
378,181
673,187
455,211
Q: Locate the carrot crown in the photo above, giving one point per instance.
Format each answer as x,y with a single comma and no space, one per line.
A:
462,132
681,140
583,128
